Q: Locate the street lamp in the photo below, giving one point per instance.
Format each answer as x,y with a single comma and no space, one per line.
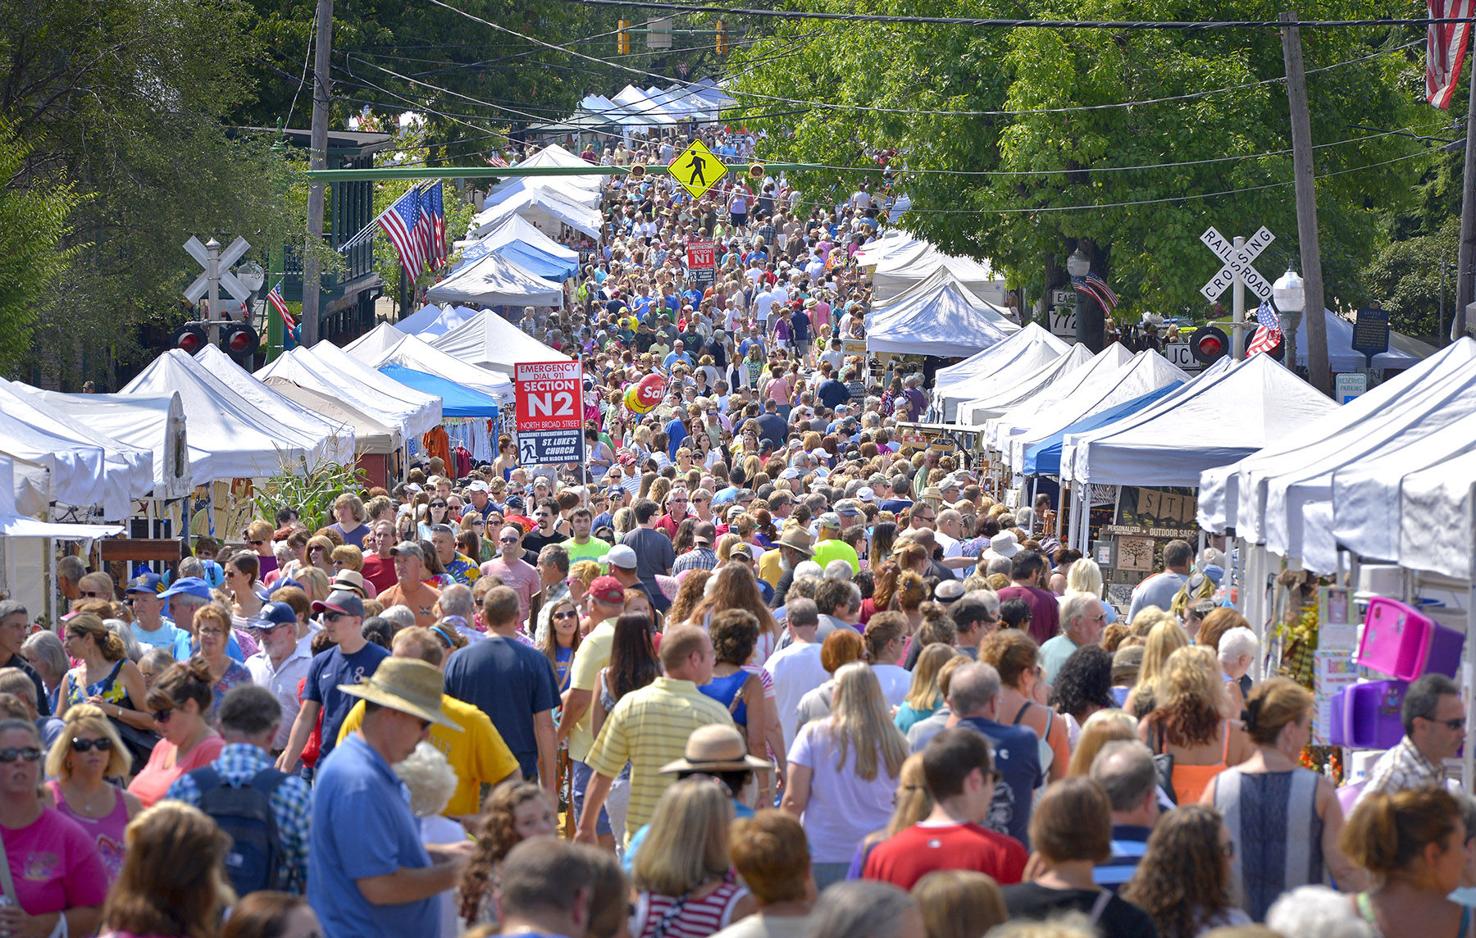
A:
1089,324
251,276
1290,295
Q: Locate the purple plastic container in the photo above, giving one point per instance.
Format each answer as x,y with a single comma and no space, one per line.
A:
1401,642
1369,715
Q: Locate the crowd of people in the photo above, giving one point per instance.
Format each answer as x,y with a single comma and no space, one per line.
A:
753,670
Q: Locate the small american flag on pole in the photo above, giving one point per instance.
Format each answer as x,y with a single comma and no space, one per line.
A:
279,303
401,223
1095,287
1445,48
1268,335
432,226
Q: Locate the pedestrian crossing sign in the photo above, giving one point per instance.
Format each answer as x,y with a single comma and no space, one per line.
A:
697,169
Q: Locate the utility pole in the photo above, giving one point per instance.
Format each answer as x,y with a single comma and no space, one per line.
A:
1464,273
212,271
1306,189
312,269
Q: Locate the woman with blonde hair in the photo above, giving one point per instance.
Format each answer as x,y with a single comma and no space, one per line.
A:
681,874
315,584
212,633
623,521
923,698
1016,657
320,553
85,755
515,811
843,770
173,882
1191,723
1164,638
1101,728
104,676
1085,576
959,903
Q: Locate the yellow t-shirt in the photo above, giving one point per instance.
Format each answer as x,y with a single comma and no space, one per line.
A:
592,657
477,754
834,549
770,567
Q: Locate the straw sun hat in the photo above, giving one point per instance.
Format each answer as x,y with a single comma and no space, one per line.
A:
406,685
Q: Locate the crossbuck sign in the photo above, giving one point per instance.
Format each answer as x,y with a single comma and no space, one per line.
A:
1237,263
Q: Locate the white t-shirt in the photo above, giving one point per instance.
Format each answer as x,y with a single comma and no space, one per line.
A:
843,807
796,670
895,682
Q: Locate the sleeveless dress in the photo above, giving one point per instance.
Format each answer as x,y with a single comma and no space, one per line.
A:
78,690
725,691
1272,818
106,832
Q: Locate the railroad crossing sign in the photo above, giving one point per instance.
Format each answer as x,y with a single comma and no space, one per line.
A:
1237,263
697,169
228,281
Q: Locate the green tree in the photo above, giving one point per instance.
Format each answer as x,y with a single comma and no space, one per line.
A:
995,184
34,221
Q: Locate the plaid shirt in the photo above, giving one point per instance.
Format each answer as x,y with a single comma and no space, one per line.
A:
292,804
698,558
1402,768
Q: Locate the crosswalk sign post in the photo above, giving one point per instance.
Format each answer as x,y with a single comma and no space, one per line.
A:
696,169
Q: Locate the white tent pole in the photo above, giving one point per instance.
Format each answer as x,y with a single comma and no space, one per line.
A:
1468,757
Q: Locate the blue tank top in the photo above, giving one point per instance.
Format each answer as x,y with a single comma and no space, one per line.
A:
724,689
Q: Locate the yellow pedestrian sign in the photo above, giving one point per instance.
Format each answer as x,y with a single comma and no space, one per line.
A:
697,169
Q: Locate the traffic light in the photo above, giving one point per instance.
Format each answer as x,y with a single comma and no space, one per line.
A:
622,38
189,338
722,38
240,341
756,172
1209,344
636,171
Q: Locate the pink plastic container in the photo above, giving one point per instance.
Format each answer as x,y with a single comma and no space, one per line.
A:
1366,716
1402,642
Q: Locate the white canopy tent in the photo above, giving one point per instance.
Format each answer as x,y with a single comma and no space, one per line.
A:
1237,495
372,435
492,280
515,229
492,342
884,245
952,384
1437,518
378,420
938,316
231,437
53,465
1218,419
384,346
14,524
1145,372
1018,381
415,411
1103,366
548,209
128,469
419,319
338,436
430,320
636,104
156,424
900,269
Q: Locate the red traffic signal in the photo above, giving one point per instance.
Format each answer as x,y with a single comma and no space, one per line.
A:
636,171
1209,344
239,341
189,338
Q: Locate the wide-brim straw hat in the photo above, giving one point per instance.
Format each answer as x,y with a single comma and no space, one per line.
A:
406,685
715,748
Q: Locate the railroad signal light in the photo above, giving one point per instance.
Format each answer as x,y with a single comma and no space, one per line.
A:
240,341
189,338
622,38
1209,344
756,171
636,171
722,38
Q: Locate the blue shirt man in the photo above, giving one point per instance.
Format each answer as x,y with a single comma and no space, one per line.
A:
1017,760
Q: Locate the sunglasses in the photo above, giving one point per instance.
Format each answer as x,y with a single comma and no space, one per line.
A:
90,594
438,504
162,716
566,614
13,753
256,543
87,745
507,540
334,616
1457,724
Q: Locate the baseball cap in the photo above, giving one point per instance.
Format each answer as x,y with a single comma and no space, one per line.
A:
866,494
740,551
147,582
477,485
607,589
188,586
829,520
341,602
407,547
622,556
272,615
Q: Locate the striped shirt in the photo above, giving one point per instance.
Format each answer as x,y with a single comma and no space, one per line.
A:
1128,846
686,918
649,728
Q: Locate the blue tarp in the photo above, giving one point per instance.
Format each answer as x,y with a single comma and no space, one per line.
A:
1044,458
456,400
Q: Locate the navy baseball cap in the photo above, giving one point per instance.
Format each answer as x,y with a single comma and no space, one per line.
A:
146,583
188,586
272,615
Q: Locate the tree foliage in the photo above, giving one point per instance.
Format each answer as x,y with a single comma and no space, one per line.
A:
994,185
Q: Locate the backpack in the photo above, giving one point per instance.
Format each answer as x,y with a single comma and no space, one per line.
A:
245,814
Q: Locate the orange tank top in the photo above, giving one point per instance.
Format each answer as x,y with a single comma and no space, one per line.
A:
1190,781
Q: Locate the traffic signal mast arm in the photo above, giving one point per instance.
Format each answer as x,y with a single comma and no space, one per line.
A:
508,172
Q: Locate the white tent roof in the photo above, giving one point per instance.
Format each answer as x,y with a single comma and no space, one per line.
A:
548,209
885,244
129,469
53,464
1437,518
153,423
337,436
1144,372
441,322
899,269
563,185
1235,495
948,381
233,438
416,411
1018,381
1225,417
1256,496
371,434
636,105
938,316
492,280
419,319
494,343
516,228
379,420
13,524
384,346
1104,365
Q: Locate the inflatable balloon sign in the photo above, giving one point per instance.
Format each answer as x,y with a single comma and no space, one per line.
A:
643,396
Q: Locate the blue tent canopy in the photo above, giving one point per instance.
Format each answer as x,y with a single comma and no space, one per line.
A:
1044,458
456,400
538,262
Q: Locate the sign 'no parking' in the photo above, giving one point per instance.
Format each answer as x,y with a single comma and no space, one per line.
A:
550,412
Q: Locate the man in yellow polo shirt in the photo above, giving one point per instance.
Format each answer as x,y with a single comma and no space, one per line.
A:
792,549
649,728
829,546
476,751
607,599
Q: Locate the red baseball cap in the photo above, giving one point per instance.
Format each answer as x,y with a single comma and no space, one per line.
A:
607,590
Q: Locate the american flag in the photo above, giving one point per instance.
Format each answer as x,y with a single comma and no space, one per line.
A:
432,226
1097,288
279,303
1268,335
1445,48
497,159
402,223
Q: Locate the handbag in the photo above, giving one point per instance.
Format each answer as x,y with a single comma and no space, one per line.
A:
139,743
1163,763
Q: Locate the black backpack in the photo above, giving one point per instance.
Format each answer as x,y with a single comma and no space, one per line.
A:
245,814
